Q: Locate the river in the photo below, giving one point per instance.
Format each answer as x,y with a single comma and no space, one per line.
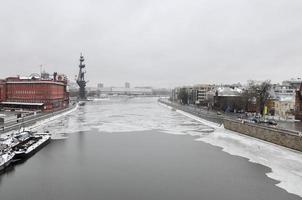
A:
136,148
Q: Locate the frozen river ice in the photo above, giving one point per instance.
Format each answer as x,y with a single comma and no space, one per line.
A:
136,148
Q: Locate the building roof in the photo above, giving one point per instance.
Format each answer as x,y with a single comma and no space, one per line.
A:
286,98
227,91
21,103
34,82
282,93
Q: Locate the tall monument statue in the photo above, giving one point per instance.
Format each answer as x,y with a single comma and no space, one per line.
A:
81,79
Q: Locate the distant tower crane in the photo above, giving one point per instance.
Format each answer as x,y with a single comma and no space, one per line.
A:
81,79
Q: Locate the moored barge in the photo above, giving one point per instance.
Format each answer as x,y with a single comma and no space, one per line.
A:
5,159
30,146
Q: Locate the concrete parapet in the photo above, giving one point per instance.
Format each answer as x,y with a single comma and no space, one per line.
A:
286,138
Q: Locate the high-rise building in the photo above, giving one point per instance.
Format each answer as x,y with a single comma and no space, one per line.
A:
127,85
100,85
199,93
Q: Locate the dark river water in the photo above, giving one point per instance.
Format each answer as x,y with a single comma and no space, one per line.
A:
128,149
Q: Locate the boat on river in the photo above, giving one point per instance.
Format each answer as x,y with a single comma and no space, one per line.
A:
30,146
20,137
5,159
21,145
6,154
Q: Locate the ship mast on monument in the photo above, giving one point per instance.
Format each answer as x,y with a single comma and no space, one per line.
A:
81,79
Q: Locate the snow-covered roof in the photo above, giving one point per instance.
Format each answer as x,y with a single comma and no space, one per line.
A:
289,98
21,103
282,94
227,91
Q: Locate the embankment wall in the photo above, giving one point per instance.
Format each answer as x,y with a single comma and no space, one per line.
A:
286,138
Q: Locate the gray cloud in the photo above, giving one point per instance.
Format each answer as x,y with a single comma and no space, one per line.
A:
155,42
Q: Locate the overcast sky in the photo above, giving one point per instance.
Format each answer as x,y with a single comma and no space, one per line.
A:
154,42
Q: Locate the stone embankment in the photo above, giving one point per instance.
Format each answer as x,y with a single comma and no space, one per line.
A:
32,119
283,137
286,138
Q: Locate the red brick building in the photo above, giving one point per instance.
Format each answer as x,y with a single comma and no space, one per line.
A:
2,90
34,93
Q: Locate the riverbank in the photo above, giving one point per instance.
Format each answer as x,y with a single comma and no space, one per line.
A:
145,151
282,137
33,119
287,138
207,115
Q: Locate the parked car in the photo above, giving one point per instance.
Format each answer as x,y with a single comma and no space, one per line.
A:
272,122
263,121
255,120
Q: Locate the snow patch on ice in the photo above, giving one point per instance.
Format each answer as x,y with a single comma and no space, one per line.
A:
286,164
205,122
118,116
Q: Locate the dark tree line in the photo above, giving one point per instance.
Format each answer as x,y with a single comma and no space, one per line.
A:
256,93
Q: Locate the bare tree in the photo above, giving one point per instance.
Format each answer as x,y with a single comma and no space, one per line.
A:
183,95
257,93
264,94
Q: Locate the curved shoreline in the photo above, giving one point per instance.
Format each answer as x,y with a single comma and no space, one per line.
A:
253,149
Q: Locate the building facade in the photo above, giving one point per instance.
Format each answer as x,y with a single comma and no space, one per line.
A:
228,99
2,90
34,93
298,104
197,94
125,91
283,100
175,94
285,109
200,94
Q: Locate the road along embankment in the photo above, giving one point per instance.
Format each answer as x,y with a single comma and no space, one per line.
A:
207,115
283,137
33,120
